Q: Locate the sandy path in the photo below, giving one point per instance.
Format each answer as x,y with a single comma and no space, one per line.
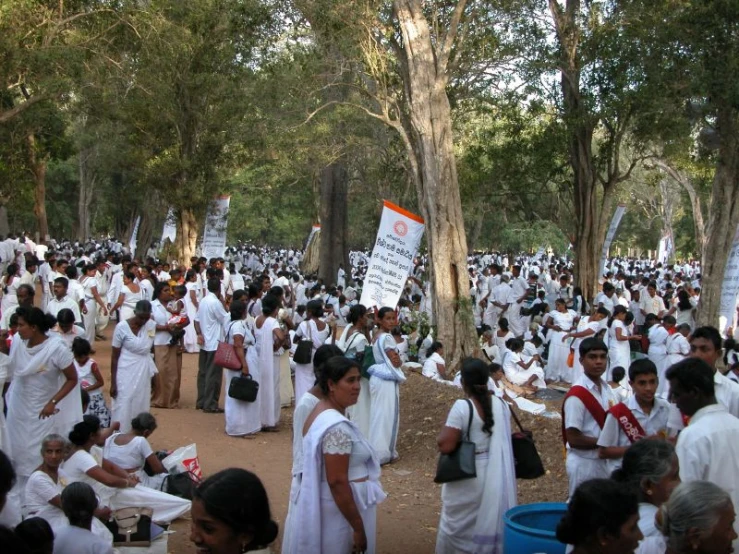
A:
407,520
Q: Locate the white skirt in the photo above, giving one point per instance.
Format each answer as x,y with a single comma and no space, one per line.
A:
384,418
243,418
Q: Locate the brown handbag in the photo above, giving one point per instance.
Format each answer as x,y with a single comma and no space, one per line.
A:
226,354
131,526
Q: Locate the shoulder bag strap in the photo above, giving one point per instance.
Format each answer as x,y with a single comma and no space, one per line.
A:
469,423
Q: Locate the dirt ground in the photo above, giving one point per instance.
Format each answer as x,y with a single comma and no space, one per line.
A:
407,520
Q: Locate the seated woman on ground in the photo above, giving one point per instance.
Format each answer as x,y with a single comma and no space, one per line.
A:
79,504
44,489
435,367
116,487
526,374
132,450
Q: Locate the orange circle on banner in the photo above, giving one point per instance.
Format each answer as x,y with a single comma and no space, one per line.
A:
400,228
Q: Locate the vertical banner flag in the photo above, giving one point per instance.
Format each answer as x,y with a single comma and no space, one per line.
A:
313,232
214,234
615,222
665,249
397,241
169,231
730,286
134,237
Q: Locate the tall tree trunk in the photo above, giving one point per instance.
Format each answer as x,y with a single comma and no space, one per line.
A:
187,235
580,124
37,164
334,248
723,216
430,151
88,179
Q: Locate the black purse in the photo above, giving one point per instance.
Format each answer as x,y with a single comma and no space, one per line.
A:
130,526
180,484
304,351
526,457
243,387
460,464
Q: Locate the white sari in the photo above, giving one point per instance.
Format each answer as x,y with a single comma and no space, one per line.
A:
360,412
136,367
36,377
318,525
243,418
384,400
269,371
473,509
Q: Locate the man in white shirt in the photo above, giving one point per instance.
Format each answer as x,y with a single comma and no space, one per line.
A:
642,415
607,297
708,448
498,301
210,322
584,413
61,300
651,302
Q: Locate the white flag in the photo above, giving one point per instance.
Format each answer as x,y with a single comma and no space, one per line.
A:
397,241
214,233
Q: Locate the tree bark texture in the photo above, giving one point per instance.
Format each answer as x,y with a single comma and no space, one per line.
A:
430,150
88,180
588,228
37,164
187,235
334,247
723,216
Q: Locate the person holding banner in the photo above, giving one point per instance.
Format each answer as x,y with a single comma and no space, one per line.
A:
385,376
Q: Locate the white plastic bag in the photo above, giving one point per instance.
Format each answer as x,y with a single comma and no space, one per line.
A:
184,458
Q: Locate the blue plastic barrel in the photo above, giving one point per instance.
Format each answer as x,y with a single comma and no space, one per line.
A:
530,529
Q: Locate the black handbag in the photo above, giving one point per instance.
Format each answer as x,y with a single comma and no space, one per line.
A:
130,526
243,387
460,464
304,351
526,457
180,484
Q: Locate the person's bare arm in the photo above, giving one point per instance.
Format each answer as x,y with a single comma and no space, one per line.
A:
114,356
577,439
448,439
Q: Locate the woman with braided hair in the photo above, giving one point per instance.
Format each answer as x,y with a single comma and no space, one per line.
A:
472,509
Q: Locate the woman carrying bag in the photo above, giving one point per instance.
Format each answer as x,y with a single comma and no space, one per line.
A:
472,509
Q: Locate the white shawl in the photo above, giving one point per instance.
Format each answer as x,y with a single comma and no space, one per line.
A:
499,491
307,527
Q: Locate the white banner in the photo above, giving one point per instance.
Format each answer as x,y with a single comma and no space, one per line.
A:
169,231
397,241
134,237
730,286
665,249
214,233
313,232
618,214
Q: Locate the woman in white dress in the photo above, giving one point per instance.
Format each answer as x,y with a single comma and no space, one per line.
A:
353,341
131,451
132,366
385,377
192,301
525,373
115,487
657,352
9,284
588,326
243,419
502,336
472,509
619,351
130,294
79,503
435,367
336,510
683,308
44,396
147,282
317,331
93,300
650,467
560,323
678,347
270,341
44,489
303,409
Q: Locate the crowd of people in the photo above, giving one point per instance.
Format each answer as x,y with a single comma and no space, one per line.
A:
645,407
